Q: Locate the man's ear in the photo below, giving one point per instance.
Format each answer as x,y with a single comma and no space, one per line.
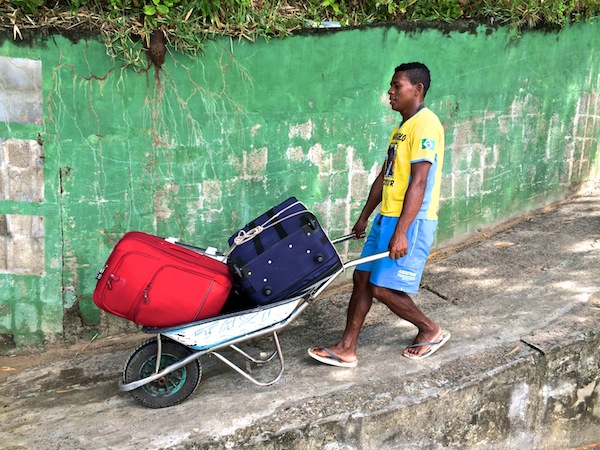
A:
419,88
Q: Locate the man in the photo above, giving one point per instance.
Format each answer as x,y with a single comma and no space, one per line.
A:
408,189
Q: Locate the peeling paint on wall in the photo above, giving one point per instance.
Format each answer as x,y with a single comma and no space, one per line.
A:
295,154
211,195
163,199
303,130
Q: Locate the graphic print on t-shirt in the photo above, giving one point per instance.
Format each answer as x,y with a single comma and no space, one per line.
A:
390,162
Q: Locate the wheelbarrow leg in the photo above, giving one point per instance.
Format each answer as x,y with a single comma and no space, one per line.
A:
244,373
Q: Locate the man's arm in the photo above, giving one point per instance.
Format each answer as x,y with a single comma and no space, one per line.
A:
413,200
373,200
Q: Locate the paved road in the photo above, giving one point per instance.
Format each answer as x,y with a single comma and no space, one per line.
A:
521,369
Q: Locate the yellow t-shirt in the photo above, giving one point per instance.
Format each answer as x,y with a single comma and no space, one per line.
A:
420,138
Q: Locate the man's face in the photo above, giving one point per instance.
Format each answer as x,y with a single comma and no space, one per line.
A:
402,92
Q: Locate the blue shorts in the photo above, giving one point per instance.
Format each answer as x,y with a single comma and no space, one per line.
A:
403,274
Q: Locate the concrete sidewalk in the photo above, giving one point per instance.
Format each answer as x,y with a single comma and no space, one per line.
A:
520,372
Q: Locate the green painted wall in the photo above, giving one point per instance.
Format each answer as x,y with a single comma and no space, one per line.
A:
216,140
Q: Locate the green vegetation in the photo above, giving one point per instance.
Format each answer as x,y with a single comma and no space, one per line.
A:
127,26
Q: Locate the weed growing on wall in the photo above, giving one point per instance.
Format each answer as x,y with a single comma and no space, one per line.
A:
128,26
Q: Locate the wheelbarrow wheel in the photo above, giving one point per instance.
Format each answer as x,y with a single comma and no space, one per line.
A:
170,389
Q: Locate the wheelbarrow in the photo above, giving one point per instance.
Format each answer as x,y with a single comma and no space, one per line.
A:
165,370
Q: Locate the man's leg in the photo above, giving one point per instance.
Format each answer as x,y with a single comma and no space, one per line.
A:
358,308
403,306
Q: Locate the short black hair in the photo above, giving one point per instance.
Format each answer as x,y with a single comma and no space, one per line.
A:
416,72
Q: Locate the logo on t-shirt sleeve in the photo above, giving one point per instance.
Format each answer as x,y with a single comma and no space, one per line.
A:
427,144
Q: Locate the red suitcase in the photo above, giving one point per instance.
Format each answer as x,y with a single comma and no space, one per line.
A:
157,283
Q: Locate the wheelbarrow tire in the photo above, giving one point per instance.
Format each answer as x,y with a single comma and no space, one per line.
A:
169,390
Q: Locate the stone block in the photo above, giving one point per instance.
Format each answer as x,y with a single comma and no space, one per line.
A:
20,90
21,170
22,245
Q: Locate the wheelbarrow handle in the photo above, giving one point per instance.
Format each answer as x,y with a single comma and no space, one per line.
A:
347,237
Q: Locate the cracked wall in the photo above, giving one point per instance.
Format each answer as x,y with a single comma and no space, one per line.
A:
224,136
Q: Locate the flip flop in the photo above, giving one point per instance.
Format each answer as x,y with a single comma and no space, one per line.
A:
332,359
434,346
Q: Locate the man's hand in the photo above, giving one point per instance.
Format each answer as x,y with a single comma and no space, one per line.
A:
398,245
413,200
360,227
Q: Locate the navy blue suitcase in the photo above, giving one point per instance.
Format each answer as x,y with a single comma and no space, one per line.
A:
280,254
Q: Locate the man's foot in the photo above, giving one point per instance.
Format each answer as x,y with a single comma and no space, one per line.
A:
327,356
424,348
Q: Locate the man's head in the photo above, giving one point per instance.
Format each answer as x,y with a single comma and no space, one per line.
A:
416,72
408,88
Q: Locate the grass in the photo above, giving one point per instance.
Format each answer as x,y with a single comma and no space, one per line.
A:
126,26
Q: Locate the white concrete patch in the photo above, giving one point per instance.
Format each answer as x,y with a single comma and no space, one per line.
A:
585,393
518,404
